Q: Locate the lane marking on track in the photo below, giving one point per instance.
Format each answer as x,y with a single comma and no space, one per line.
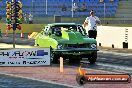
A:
104,68
115,53
103,58
89,69
112,67
115,66
50,82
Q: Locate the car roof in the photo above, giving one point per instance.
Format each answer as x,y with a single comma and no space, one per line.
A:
53,24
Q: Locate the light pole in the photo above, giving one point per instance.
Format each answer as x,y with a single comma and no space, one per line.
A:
14,19
72,9
104,12
46,7
32,6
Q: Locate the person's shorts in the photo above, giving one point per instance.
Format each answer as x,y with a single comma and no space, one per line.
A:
92,34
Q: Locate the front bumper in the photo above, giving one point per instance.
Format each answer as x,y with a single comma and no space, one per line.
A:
75,50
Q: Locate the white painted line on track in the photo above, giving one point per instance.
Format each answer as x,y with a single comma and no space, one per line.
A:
92,69
103,58
116,53
114,71
116,66
50,82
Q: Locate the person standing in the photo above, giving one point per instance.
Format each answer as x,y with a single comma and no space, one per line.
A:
30,18
92,22
74,7
64,8
83,8
25,18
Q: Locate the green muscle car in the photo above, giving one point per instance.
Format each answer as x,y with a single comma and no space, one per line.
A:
67,40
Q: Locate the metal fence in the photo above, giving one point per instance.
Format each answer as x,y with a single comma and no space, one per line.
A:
80,20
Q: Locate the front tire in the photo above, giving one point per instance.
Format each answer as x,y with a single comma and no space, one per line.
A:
55,58
92,58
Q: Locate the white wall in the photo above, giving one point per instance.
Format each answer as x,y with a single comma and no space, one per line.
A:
108,35
130,38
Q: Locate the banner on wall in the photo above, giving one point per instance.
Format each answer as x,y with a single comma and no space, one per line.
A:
25,57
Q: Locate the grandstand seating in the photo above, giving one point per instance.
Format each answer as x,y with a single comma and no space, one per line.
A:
38,7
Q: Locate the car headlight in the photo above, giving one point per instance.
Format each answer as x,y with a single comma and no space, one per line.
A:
93,46
59,46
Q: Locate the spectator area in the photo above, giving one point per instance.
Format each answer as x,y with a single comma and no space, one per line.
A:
54,7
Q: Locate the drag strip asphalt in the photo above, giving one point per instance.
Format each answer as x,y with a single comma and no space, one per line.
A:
109,61
14,81
113,61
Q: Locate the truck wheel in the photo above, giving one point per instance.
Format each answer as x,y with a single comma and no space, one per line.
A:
92,58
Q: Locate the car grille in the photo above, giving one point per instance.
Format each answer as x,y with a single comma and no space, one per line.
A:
77,46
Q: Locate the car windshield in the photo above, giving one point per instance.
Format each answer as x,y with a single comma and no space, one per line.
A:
81,30
64,27
58,28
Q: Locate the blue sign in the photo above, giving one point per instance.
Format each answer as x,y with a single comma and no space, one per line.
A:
41,53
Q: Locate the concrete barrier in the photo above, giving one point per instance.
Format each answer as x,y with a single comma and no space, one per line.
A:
109,36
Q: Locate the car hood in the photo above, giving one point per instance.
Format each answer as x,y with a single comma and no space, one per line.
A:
73,37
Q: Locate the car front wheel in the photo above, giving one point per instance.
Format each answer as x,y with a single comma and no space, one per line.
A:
92,58
55,58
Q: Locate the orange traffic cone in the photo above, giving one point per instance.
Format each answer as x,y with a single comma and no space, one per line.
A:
22,35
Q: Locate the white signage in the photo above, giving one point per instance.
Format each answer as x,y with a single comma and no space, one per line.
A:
25,57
